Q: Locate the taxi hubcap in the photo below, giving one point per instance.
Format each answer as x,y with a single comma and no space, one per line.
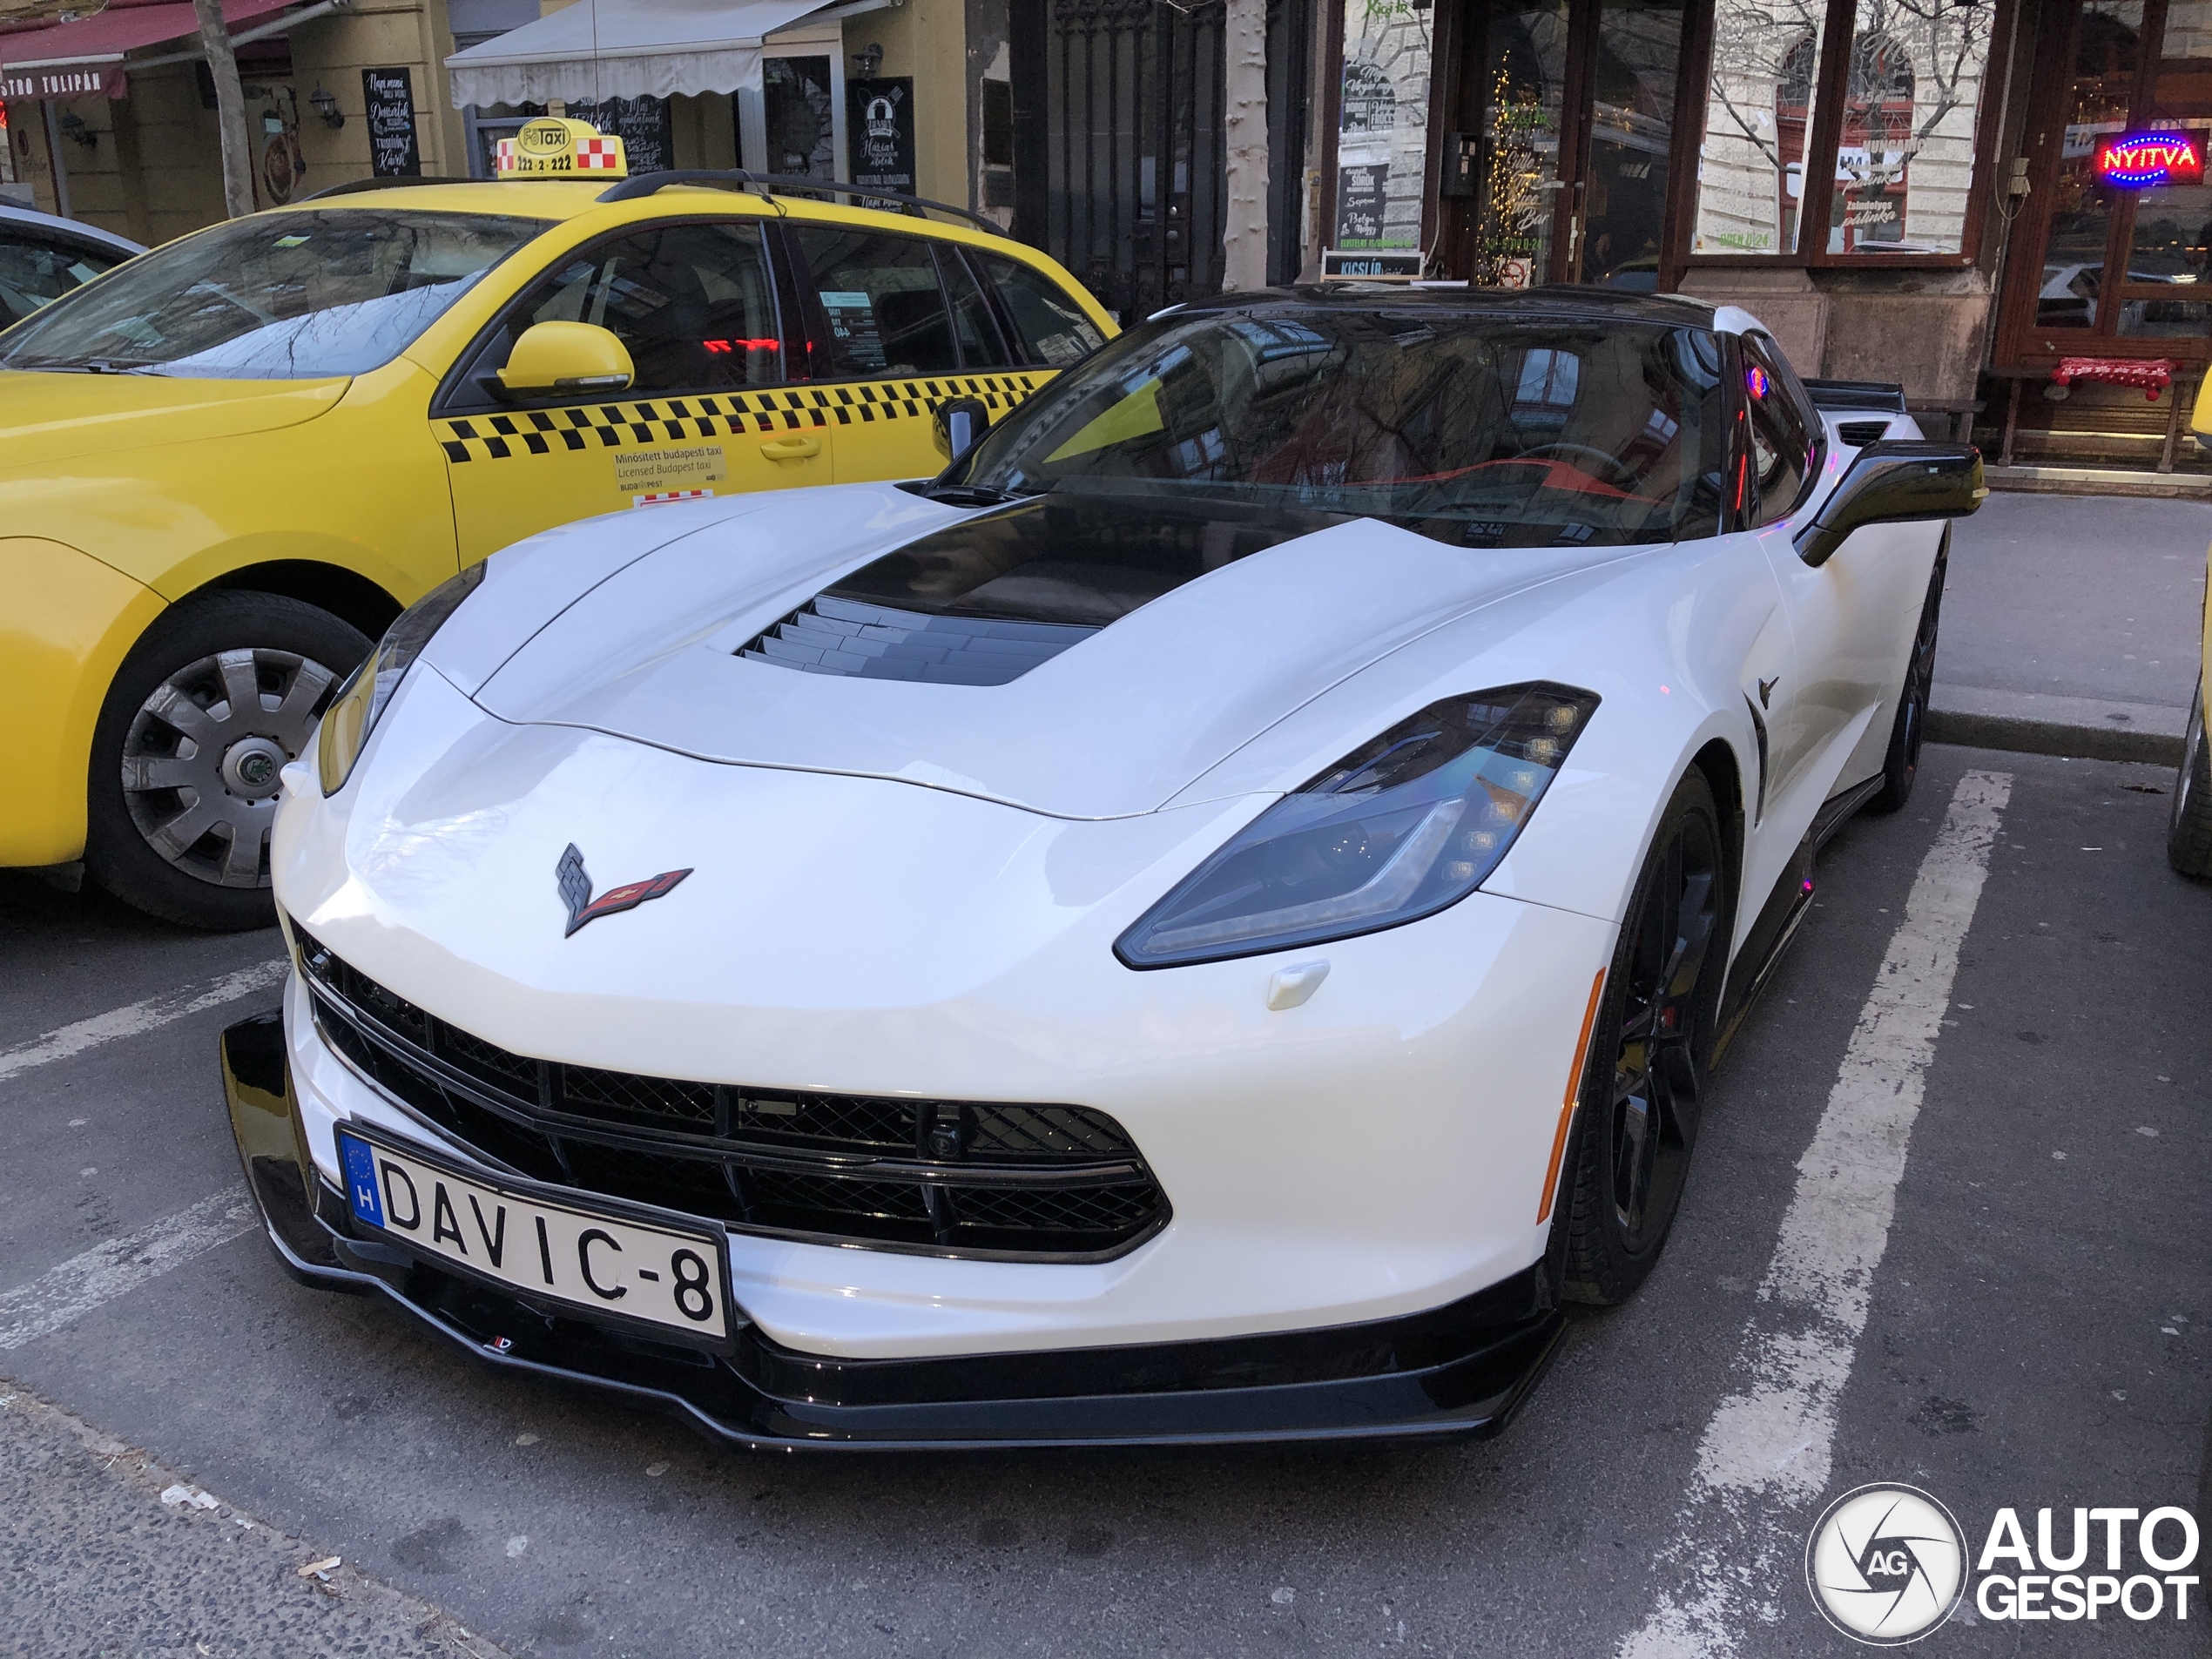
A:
201,760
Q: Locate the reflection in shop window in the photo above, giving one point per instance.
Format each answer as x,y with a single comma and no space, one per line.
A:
1639,55
2107,44
1902,165
1758,113
2169,251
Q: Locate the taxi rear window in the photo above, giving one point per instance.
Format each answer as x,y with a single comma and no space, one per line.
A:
278,296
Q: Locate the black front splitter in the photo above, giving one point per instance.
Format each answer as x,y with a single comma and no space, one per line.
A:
1452,1372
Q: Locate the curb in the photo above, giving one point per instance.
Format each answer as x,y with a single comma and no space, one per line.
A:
2018,736
2040,723
2099,481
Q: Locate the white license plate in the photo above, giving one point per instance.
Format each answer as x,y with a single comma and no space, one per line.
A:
608,1261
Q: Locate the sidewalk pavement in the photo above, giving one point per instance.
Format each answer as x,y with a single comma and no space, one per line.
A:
107,1551
2071,626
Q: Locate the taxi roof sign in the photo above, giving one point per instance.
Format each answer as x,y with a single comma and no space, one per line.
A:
555,147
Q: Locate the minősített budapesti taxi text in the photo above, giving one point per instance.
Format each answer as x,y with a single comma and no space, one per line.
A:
226,466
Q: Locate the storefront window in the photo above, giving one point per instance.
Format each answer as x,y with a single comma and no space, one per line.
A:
1758,114
1382,142
1900,175
1526,90
2107,48
1639,50
2167,259
1905,158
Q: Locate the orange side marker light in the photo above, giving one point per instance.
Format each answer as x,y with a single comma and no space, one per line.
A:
1574,1090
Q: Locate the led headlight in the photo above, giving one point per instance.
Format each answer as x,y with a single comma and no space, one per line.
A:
1407,824
354,713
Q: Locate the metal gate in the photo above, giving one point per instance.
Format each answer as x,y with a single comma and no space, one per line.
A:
1129,95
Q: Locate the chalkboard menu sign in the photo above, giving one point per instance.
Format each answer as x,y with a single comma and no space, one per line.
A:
880,132
388,95
645,125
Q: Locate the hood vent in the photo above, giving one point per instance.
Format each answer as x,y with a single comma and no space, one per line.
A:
831,636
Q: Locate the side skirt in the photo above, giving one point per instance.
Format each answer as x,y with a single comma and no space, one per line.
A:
1786,908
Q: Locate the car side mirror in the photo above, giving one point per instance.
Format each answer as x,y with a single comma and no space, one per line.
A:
962,421
1903,481
567,357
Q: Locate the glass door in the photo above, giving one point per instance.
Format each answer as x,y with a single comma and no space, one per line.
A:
2100,264
1575,105
1618,231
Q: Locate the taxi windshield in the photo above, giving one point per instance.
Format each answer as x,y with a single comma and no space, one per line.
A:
278,296
1478,430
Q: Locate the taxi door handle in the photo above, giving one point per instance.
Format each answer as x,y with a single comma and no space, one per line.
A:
793,448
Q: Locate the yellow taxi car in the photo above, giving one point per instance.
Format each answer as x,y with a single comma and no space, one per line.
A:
226,465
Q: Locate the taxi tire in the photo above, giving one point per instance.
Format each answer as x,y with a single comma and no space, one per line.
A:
117,855
2188,830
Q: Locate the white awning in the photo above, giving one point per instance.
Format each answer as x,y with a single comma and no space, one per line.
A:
597,48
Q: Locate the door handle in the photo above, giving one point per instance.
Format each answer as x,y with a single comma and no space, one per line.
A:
797,448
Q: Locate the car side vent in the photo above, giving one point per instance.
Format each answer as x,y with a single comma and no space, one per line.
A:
830,636
1859,434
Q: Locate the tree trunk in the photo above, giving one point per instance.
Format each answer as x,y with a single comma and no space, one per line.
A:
1243,241
230,107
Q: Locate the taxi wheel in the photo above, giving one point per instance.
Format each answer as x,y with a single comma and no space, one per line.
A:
207,708
2188,832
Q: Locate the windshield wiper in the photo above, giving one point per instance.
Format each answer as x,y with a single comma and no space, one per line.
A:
81,366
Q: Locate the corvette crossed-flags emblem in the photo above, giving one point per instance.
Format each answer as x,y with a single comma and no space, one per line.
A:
576,890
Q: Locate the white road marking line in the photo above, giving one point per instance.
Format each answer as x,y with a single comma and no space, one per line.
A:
74,1288
1764,1458
129,1022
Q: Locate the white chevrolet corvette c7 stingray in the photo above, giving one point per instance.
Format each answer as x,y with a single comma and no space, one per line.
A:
1206,921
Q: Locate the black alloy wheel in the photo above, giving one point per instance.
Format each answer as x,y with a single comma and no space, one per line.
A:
1901,765
1636,1122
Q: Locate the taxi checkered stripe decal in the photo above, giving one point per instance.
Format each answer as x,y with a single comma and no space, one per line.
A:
682,420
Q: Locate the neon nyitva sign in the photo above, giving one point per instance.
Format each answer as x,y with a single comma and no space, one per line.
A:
2140,160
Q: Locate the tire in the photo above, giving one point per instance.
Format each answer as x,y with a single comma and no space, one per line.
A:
1901,765
1636,1120
183,786
2188,831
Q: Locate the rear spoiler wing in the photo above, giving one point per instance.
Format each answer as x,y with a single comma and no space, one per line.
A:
1879,396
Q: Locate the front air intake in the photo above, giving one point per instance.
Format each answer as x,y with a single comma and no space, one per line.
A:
831,635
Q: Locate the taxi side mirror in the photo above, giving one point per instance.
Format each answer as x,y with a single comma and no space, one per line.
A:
1896,481
567,357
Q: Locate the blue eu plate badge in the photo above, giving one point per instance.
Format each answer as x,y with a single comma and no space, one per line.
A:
359,1160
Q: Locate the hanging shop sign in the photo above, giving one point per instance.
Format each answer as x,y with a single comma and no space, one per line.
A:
880,131
2143,160
388,95
65,80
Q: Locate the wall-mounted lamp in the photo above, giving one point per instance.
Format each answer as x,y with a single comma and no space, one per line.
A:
867,61
72,125
327,107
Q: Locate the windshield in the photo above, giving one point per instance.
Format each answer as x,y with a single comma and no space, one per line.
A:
278,296
1480,431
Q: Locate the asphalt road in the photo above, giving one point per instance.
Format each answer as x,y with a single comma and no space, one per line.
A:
2127,573
2034,1334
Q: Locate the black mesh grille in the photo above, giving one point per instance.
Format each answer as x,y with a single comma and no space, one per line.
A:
833,636
1040,1181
